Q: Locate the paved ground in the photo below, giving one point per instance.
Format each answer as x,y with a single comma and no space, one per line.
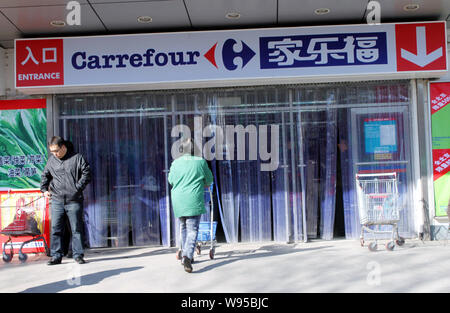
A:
268,267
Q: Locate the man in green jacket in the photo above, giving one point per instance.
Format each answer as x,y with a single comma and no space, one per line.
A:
189,175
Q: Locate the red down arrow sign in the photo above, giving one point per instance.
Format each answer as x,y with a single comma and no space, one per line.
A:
421,46
422,58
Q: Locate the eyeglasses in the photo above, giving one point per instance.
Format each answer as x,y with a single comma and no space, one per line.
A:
55,151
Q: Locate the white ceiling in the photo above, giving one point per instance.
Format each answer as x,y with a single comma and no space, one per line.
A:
31,18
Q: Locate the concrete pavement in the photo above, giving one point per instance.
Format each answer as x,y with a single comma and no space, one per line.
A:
267,267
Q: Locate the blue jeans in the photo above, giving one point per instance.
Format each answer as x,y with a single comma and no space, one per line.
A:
189,231
74,211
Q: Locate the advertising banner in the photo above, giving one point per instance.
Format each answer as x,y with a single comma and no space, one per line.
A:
440,132
23,136
404,49
23,212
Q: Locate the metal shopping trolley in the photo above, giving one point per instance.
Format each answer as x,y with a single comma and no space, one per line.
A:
378,203
206,230
26,218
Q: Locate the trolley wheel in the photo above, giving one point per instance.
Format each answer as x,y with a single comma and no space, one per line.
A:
211,253
373,246
390,246
178,255
198,249
23,257
362,242
7,257
400,241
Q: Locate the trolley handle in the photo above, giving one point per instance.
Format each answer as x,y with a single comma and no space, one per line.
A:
25,205
377,175
209,188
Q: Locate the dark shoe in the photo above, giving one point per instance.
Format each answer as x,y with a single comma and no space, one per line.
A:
54,261
69,255
187,264
192,261
80,260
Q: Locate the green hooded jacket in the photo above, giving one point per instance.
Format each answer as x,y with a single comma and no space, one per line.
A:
188,176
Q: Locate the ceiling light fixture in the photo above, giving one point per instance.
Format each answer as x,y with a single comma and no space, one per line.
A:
233,15
144,19
58,23
411,7
322,11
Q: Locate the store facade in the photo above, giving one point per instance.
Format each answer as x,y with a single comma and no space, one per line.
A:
285,117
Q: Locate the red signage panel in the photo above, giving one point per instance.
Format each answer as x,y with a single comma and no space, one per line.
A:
421,47
39,62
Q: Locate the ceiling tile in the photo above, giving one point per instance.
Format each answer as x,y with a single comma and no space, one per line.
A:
36,20
123,16
33,3
7,30
211,13
428,9
302,12
126,1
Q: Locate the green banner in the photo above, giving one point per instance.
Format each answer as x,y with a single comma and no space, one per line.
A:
23,149
440,132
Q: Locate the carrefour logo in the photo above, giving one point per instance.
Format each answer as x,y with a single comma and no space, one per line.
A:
230,53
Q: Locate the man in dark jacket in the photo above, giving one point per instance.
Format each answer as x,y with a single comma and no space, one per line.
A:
65,176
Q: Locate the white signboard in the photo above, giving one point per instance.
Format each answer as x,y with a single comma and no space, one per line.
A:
399,50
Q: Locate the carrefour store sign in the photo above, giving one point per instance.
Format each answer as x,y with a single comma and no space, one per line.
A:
218,58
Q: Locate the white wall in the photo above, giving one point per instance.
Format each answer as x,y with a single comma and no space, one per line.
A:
2,72
9,70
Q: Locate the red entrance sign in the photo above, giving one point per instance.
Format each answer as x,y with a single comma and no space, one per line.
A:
421,47
39,62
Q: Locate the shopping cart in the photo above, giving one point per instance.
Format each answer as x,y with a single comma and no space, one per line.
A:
378,203
25,222
206,230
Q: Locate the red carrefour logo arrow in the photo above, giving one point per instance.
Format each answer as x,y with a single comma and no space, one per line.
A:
210,55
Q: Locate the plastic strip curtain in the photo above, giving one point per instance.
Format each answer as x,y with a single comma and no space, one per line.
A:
319,131
254,204
127,193
225,177
351,217
94,211
127,201
280,186
328,193
244,190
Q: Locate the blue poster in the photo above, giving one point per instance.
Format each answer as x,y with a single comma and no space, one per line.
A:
380,136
